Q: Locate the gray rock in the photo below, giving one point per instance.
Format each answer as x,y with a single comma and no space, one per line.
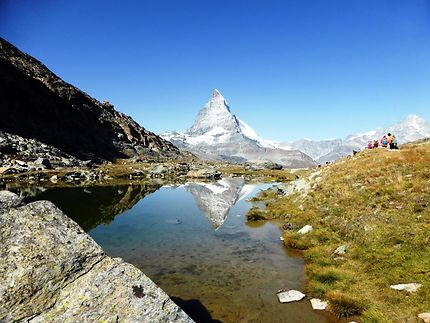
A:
410,287
290,296
159,171
340,251
261,165
51,270
8,200
207,173
306,229
43,161
318,304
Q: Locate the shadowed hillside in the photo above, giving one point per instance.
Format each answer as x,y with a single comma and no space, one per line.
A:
35,103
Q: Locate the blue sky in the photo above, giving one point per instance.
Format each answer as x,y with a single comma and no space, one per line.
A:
290,69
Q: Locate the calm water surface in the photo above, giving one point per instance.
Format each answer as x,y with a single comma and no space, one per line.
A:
194,242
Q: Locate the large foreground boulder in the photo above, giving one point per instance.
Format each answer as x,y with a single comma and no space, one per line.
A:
51,270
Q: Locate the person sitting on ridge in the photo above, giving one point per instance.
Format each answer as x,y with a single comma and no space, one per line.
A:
391,140
395,143
370,144
375,144
384,141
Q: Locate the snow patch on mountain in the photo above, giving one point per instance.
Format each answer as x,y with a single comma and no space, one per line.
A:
409,129
219,135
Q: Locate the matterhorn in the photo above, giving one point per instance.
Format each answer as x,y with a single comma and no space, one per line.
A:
217,134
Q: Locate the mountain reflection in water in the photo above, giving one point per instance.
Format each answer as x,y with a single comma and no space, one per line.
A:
91,206
230,274
216,199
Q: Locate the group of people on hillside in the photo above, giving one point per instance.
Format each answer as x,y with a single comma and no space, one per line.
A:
387,141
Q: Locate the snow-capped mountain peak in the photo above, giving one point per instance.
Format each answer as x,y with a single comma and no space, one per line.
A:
214,115
218,134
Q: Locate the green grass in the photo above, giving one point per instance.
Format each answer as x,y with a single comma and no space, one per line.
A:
378,203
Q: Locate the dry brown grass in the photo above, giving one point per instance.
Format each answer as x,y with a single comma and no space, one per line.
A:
378,203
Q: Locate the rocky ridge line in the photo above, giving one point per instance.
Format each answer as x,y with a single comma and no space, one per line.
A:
40,105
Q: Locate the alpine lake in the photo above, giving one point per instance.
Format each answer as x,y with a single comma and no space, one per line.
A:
193,241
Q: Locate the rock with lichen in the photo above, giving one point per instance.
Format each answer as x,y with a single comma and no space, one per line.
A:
51,270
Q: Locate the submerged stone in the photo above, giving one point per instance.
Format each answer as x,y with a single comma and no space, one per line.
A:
290,296
318,304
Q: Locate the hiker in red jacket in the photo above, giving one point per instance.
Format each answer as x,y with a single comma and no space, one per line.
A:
375,144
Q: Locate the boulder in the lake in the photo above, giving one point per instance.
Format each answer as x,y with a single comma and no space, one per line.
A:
318,304
290,296
306,229
51,270
410,287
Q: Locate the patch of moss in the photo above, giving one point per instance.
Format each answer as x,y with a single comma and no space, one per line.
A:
255,214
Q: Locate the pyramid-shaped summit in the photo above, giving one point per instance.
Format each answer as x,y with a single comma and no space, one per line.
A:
214,118
217,134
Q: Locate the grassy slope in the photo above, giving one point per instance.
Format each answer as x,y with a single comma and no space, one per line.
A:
378,203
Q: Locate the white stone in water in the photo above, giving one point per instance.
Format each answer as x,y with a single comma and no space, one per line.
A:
306,229
281,238
318,304
411,287
290,296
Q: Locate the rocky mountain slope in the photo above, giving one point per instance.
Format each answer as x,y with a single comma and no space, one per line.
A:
35,103
217,134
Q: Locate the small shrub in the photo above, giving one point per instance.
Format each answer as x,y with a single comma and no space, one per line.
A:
344,305
296,241
318,289
255,214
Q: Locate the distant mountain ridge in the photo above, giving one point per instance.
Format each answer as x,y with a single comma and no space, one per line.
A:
217,134
409,129
36,103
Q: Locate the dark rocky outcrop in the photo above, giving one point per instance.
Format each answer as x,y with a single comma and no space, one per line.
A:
35,103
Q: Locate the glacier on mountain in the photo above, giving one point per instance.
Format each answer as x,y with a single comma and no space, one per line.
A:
409,129
217,134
